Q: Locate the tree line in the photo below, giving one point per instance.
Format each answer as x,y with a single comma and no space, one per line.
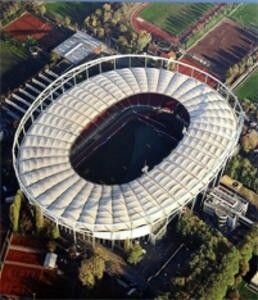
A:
112,20
216,267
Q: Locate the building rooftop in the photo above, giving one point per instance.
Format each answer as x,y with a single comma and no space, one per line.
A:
78,47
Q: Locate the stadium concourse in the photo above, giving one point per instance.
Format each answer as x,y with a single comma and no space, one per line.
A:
77,110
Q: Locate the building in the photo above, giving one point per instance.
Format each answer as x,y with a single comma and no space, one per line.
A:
50,260
86,97
226,206
79,46
254,283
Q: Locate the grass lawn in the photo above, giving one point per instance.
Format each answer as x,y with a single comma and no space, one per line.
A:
247,15
174,17
246,293
77,11
17,65
11,56
249,88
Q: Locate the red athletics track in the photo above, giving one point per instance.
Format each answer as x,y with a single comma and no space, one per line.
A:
18,281
196,74
27,25
22,267
24,257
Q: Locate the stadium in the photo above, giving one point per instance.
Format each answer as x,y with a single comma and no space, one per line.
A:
114,148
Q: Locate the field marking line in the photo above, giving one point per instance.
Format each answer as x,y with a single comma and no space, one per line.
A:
215,26
18,17
25,265
244,77
166,263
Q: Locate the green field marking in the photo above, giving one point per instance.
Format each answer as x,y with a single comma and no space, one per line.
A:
77,11
247,15
11,56
249,88
174,17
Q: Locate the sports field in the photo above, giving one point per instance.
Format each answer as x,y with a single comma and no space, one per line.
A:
174,17
17,65
122,158
224,46
249,88
247,15
11,56
26,26
77,12
131,136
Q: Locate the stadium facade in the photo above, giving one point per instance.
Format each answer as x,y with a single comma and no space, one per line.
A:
143,206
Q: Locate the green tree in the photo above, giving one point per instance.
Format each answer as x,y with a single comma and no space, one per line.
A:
39,219
135,254
55,234
14,211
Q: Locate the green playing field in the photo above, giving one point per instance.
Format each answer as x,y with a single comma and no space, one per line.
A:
247,15
249,88
174,17
77,11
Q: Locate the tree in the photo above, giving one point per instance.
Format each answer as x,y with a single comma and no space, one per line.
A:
100,33
93,21
55,234
179,281
135,254
14,212
98,12
91,269
116,17
248,248
143,40
39,219
67,21
107,7
123,28
86,22
42,10
54,57
107,16
122,41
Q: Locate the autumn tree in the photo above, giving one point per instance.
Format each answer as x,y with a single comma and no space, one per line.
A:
91,269
42,10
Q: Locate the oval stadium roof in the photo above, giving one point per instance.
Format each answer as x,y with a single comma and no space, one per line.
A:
128,210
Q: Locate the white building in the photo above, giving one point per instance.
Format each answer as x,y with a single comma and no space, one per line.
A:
79,46
226,206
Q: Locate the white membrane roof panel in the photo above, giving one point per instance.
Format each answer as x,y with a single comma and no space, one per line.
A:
128,210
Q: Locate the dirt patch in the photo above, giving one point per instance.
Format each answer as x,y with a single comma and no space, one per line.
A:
224,46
